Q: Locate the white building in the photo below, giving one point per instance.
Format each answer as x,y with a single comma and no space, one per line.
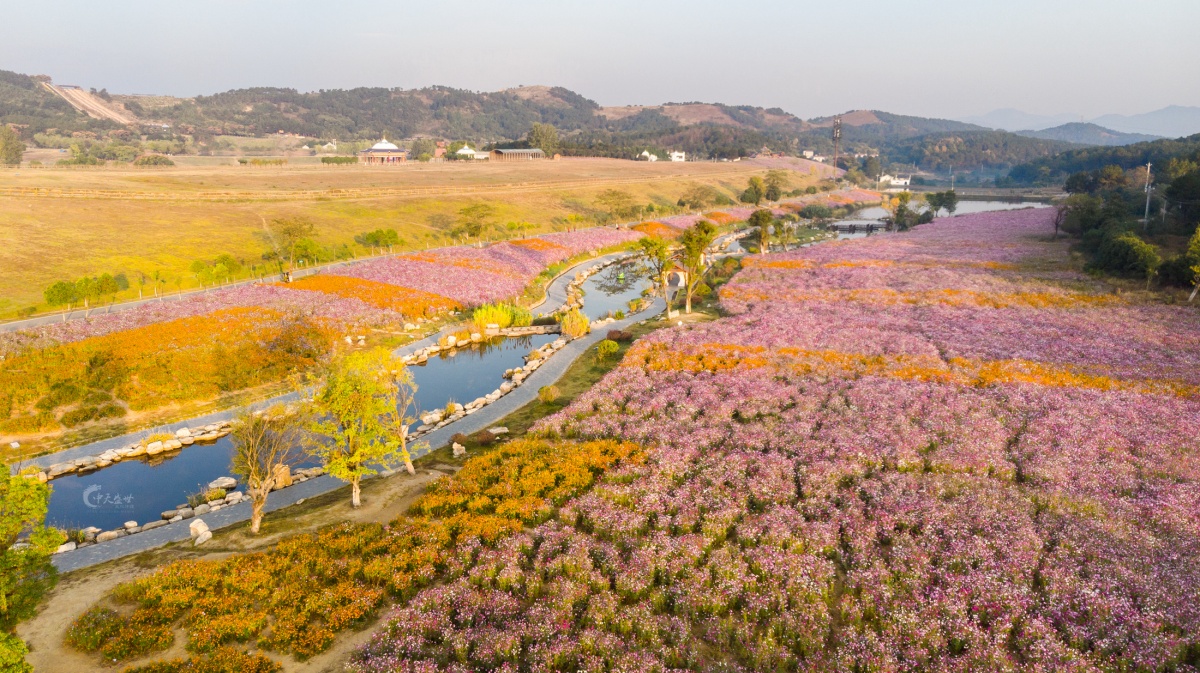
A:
647,156
465,152
678,156
808,154
895,180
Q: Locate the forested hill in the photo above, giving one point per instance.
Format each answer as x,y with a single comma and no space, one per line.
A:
369,113
1055,169
972,150
25,103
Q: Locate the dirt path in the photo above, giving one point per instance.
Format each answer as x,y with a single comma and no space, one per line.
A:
383,501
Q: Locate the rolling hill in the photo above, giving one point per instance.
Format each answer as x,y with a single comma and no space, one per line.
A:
504,117
1083,133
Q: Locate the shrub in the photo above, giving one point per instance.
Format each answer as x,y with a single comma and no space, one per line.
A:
153,160
484,438
459,438
703,290
1126,253
96,397
619,315
503,315
544,320
620,335
606,349
339,160
223,660
93,628
574,324
78,416
111,411
215,494
548,394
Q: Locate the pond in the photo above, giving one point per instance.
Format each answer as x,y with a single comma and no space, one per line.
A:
141,489
611,289
872,215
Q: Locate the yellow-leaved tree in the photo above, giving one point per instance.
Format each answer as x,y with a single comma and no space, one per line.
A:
361,415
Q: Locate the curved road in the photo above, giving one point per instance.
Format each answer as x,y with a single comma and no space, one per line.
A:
485,417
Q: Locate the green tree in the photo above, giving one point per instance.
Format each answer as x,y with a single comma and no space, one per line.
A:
618,204
785,232
286,233
872,168
380,238
934,201
762,219
11,147
699,196
695,240
263,443
658,257
1193,252
777,182
423,149
950,201
61,293
755,191
360,416
544,137
1184,192
473,219
26,573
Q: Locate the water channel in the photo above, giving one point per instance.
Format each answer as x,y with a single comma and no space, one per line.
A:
141,489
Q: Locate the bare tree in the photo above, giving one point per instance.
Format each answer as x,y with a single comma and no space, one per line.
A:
262,443
1060,216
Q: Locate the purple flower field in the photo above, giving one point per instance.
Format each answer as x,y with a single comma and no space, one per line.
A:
848,483
465,274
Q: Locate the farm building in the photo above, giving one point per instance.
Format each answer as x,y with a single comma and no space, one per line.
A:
678,156
465,152
517,155
894,180
383,152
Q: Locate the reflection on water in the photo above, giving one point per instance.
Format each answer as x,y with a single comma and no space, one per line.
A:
467,373
611,289
141,489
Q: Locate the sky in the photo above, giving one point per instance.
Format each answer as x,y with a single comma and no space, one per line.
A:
934,58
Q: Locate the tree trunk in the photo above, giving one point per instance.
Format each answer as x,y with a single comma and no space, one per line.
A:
408,464
258,502
355,492
688,302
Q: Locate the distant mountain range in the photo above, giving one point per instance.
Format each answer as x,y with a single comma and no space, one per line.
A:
503,118
1175,121
1083,133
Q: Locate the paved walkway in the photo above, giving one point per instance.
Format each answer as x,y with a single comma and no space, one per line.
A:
485,417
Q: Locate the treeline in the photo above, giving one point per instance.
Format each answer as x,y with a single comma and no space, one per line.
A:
1052,170
1106,210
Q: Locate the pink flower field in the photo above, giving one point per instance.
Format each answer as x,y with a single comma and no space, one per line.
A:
933,451
467,275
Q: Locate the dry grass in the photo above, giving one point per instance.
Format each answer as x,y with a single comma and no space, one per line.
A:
58,223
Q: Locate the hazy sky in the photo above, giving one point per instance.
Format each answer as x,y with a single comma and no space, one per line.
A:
926,57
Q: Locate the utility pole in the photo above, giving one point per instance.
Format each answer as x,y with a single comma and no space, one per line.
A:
837,137
951,177
1146,217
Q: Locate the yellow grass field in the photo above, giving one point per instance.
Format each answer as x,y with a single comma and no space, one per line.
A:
61,223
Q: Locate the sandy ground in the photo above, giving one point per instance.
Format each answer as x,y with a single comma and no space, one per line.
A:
383,500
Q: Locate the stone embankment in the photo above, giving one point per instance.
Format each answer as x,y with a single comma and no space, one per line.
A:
182,437
219,494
